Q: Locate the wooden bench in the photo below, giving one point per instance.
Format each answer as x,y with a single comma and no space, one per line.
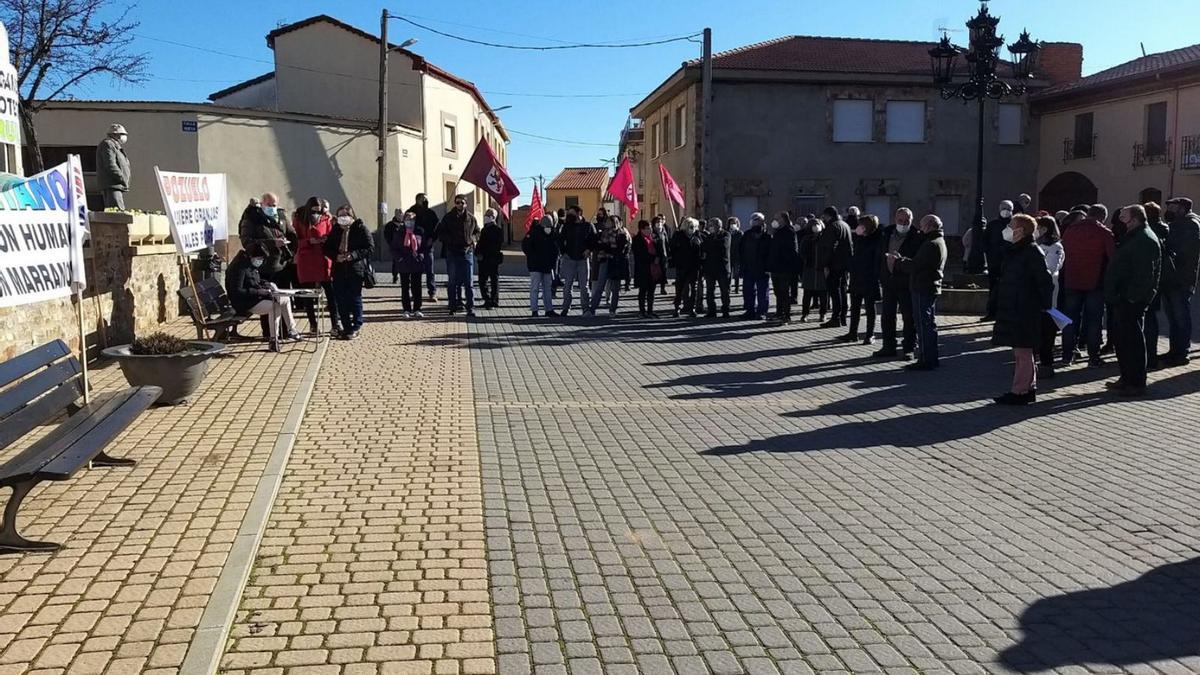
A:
46,382
211,309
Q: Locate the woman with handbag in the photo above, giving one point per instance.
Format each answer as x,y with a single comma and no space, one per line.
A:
313,270
349,246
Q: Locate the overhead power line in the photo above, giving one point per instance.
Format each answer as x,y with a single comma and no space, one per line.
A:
561,140
544,48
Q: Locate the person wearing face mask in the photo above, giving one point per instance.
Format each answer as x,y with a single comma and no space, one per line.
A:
685,257
812,276
112,167
649,266
349,245
716,267
783,259
313,270
612,255
1088,248
1024,294
1050,244
834,248
393,226
800,227
1183,246
490,251
541,256
427,221
733,225
458,232
408,251
1024,203
1166,271
864,278
250,295
994,248
576,241
925,271
903,240
752,252
1129,285
659,229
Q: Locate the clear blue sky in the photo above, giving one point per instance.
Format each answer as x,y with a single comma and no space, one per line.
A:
1109,30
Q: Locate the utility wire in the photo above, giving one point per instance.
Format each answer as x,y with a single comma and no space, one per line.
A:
561,140
544,48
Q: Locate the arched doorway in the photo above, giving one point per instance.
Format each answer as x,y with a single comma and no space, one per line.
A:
1150,195
1066,190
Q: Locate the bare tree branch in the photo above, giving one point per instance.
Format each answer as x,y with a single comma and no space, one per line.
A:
57,45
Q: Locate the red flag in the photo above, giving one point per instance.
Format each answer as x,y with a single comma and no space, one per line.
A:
536,211
485,172
670,187
623,187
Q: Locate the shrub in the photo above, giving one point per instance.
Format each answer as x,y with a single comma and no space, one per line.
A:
159,344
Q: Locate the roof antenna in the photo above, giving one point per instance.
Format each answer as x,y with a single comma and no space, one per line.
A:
1143,46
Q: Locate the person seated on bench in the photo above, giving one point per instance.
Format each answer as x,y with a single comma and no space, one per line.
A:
251,295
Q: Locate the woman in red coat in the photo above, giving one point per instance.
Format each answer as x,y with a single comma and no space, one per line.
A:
313,224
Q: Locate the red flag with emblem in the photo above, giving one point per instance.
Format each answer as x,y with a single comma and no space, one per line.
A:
670,187
623,188
536,210
485,171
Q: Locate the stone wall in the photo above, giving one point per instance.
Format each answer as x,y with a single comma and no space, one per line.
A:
132,289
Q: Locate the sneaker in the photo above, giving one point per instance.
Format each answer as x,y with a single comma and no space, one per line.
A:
273,346
470,312
1108,348
406,315
675,314
418,315
552,313
352,335
906,356
535,313
869,340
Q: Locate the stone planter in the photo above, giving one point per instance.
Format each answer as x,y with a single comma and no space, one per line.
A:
179,375
962,301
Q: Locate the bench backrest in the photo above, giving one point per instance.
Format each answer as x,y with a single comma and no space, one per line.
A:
44,382
207,300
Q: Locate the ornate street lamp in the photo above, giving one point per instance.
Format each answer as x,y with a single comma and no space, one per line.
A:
983,82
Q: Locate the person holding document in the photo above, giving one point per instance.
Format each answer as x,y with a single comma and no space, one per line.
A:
1048,241
251,295
1024,293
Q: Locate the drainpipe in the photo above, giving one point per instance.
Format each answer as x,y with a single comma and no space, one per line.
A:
1174,137
424,138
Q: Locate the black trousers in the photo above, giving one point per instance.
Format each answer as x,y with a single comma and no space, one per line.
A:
685,289
1049,338
1152,331
410,292
993,284
795,291
1129,339
710,290
782,285
859,304
836,283
898,298
815,299
489,282
646,299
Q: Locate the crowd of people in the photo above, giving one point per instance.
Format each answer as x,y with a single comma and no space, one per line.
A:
1083,272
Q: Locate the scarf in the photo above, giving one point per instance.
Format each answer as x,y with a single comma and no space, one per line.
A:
650,245
344,244
411,241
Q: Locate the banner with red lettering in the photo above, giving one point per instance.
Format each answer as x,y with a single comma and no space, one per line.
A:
196,206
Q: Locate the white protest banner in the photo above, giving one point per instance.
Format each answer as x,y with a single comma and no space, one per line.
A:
196,207
10,101
79,221
41,246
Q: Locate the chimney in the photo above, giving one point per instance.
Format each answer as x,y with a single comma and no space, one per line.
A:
1062,62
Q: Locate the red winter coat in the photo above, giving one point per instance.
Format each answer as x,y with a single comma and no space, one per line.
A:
312,267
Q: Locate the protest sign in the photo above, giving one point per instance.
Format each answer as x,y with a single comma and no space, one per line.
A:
41,238
196,207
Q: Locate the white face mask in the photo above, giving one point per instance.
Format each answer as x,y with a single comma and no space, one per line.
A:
1005,213
345,221
1008,234
488,220
409,224
860,231
774,224
257,262
903,228
546,229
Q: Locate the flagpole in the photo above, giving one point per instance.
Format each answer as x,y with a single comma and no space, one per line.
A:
673,216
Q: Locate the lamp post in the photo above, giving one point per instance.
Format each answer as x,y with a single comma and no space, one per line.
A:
982,83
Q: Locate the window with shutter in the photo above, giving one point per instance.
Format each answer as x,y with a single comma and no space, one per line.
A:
852,121
1009,122
906,122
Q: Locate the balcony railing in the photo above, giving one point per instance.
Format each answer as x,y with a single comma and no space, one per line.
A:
1189,154
1149,154
1079,148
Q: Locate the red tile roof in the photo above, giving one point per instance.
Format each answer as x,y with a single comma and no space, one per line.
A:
580,178
801,53
1146,67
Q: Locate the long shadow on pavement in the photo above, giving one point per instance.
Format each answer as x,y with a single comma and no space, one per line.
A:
1151,618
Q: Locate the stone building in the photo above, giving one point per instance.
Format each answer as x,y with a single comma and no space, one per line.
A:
799,123
578,186
1127,134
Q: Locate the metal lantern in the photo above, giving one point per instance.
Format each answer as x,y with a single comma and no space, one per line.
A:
942,60
1025,54
983,26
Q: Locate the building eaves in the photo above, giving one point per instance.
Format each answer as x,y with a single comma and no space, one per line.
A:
266,77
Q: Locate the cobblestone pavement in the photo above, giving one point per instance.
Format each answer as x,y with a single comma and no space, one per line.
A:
680,496
373,559
144,546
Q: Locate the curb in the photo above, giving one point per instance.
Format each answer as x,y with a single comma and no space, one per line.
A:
208,642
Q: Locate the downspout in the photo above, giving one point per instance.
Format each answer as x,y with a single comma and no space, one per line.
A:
1174,137
424,138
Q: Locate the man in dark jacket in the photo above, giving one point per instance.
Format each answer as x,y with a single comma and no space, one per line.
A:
1129,285
427,220
834,247
994,248
716,267
458,231
112,168
576,240
1087,249
1183,246
783,263
685,258
1166,271
925,270
902,239
394,226
541,256
752,252
251,295
491,253
733,226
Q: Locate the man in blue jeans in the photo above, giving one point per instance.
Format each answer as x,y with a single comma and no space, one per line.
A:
1183,246
925,271
458,232
1088,247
